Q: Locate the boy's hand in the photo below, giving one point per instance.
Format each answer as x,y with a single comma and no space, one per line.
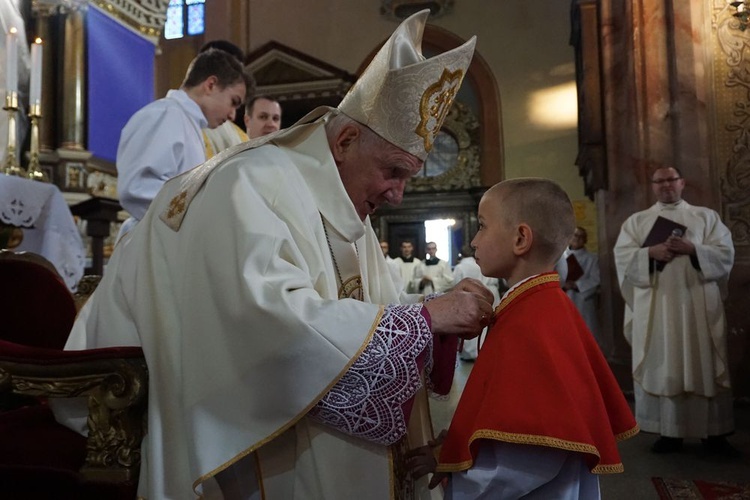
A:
438,478
422,460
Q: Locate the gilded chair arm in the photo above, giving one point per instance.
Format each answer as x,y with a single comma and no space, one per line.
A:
115,380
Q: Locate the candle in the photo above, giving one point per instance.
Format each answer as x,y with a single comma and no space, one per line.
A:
35,94
11,61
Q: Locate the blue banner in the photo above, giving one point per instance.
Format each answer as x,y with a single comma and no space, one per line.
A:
120,80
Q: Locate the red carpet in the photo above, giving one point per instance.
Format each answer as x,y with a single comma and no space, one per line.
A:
687,489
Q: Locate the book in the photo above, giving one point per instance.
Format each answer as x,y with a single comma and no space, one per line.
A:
662,229
575,271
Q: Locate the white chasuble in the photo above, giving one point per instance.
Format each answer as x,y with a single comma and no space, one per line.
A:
674,320
249,348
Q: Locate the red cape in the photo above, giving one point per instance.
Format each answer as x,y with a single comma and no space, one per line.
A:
540,379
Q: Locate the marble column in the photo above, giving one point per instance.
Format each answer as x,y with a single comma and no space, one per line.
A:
43,14
72,152
662,107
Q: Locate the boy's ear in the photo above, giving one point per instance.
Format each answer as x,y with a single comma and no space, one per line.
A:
523,239
210,84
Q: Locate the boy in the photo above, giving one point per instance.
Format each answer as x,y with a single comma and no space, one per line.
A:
541,412
163,139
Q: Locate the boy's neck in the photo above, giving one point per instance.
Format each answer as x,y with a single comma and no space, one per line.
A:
525,269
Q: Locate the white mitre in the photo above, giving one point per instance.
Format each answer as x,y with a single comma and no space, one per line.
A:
404,97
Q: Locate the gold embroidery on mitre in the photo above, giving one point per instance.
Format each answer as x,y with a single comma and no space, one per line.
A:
352,289
177,205
435,104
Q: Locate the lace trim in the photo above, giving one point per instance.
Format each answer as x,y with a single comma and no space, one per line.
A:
16,213
367,401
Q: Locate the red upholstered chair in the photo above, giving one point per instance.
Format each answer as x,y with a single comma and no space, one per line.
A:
37,307
40,458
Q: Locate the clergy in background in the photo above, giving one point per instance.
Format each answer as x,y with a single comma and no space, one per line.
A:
582,284
436,273
410,266
674,318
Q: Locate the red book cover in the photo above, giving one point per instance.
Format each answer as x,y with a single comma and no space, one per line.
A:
662,229
575,271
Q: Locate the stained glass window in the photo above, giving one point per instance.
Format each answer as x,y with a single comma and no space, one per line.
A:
196,14
185,18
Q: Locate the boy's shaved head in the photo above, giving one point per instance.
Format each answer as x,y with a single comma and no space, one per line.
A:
544,206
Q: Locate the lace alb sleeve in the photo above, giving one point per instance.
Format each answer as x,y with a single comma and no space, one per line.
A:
370,399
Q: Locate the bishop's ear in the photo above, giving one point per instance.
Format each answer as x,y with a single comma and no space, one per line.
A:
344,140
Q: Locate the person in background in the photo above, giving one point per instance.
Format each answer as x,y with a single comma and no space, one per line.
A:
392,267
228,133
467,267
541,413
436,273
282,361
262,116
410,267
674,318
582,283
164,139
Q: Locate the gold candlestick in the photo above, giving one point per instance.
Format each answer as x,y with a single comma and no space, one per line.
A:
35,173
11,166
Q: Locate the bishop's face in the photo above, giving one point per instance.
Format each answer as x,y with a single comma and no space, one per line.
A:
374,172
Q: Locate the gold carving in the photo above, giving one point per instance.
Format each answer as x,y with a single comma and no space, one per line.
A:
732,105
435,104
116,389
145,16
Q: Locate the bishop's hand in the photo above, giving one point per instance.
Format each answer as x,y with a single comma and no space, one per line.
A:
464,311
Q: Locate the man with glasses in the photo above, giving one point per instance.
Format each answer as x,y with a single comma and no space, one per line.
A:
674,318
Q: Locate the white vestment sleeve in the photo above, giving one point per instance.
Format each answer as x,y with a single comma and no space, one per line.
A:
588,283
716,253
509,470
149,154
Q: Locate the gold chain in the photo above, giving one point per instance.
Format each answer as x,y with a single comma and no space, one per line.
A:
330,249
344,287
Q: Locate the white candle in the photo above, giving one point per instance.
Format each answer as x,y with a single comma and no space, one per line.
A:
11,61
35,93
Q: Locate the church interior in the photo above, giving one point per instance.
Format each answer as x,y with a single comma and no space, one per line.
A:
592,94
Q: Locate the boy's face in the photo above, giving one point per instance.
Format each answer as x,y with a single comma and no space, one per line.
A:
219,105
493,242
